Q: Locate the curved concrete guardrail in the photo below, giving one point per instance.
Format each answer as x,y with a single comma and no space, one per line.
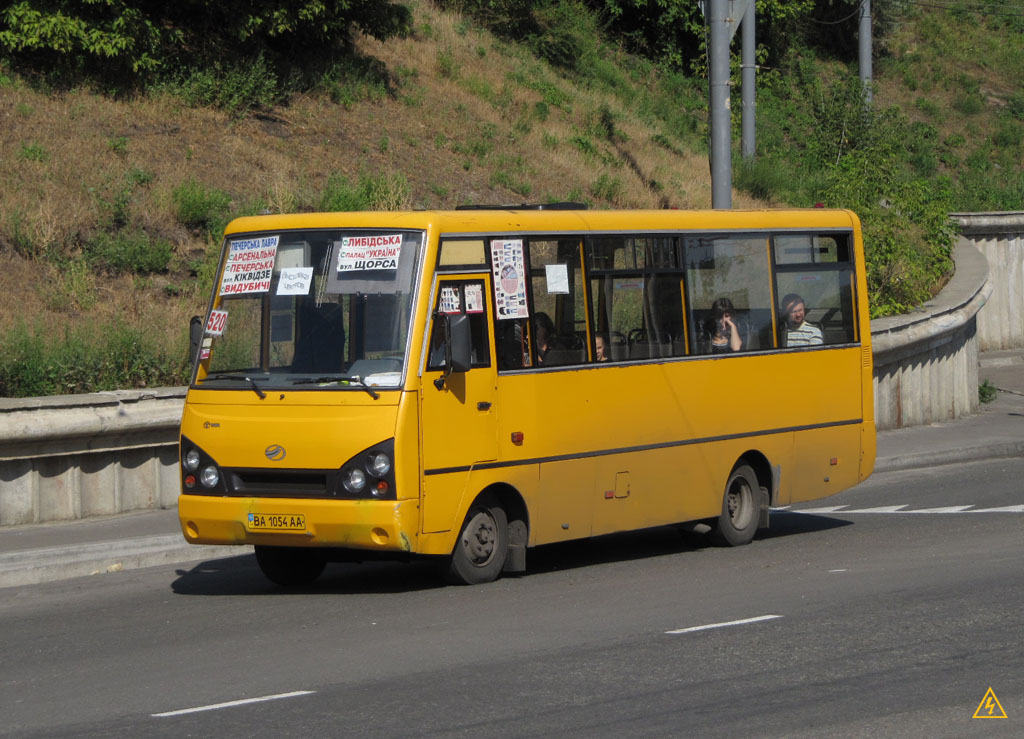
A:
1000,238
69,457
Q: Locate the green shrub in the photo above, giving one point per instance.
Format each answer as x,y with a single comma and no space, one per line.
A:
201,208
128,252
608,188
383,192
237,87
34,152
116,355
987,392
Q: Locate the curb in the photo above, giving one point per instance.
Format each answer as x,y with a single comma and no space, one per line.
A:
949,456
35,566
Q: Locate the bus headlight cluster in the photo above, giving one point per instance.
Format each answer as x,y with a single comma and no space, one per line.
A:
370,474
199,473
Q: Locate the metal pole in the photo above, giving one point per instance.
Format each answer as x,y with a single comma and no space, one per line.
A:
748,92
718,80
864,47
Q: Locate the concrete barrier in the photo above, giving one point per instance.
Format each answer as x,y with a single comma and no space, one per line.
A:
1000,238
926,361
74,456
70,457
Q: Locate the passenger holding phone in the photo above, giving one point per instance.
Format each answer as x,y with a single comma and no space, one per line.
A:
724,336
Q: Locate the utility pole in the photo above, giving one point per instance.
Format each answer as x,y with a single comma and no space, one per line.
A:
723,16
718,81
864,48
748,91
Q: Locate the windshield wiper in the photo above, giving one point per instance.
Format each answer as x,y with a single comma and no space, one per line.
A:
238,378
339,378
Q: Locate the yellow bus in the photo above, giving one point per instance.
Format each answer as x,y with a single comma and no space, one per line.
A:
468,384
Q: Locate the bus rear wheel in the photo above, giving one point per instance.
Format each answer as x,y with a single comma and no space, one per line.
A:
737,523
482,546
290,566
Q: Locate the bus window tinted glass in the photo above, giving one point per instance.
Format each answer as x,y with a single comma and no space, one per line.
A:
827,296
559,312
730,285
810,249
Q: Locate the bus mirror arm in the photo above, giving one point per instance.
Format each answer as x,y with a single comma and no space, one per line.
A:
195,337
457,346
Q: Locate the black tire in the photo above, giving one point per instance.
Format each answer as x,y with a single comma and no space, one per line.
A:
741,509
290,566
482,546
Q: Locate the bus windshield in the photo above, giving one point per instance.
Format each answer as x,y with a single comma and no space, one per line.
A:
323,309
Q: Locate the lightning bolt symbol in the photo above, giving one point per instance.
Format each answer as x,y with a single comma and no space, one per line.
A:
990,705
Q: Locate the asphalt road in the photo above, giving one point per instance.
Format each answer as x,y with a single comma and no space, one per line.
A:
861,622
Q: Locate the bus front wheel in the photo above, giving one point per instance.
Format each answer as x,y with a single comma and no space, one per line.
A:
290,566
737,523
480,550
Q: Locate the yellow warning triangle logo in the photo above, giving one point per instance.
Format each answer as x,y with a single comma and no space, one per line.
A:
990,707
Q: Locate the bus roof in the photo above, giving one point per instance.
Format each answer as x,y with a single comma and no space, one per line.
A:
503,220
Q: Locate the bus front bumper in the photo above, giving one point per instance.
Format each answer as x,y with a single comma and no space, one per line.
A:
376,525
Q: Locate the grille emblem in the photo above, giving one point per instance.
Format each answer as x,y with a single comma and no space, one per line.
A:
274,452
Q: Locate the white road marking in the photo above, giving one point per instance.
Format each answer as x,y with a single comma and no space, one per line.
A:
903,509
882,509
229,704
705,627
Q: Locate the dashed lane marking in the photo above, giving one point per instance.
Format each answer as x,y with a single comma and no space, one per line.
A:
230,704
904,509
741,622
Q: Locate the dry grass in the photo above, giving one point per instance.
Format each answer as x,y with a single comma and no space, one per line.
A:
459,127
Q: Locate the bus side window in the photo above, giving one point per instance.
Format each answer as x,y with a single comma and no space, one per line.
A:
729,275
455,298
556,285
819,269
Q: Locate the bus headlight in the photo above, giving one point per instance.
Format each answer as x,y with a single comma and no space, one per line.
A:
191,461
354,480
209,476
379,464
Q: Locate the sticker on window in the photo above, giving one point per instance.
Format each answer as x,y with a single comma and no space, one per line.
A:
295,281
450,302
509,279
249,266
365,253
217,322
474,298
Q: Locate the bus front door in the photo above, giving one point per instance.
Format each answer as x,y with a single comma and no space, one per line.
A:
457,419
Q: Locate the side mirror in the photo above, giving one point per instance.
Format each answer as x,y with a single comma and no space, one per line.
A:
195,337
458,346
460,343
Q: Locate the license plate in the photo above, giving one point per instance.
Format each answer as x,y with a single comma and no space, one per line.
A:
277,522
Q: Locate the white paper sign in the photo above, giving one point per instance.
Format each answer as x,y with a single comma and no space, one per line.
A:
474,298
295,281
558,278
361,253
249,266
450,302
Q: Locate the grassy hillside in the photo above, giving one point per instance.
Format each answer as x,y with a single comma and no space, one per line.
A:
112,207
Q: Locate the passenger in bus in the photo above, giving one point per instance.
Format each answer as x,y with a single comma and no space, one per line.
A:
723,335
601,348
545,330
798,331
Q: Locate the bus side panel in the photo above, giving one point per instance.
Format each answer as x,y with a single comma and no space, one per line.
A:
521,478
